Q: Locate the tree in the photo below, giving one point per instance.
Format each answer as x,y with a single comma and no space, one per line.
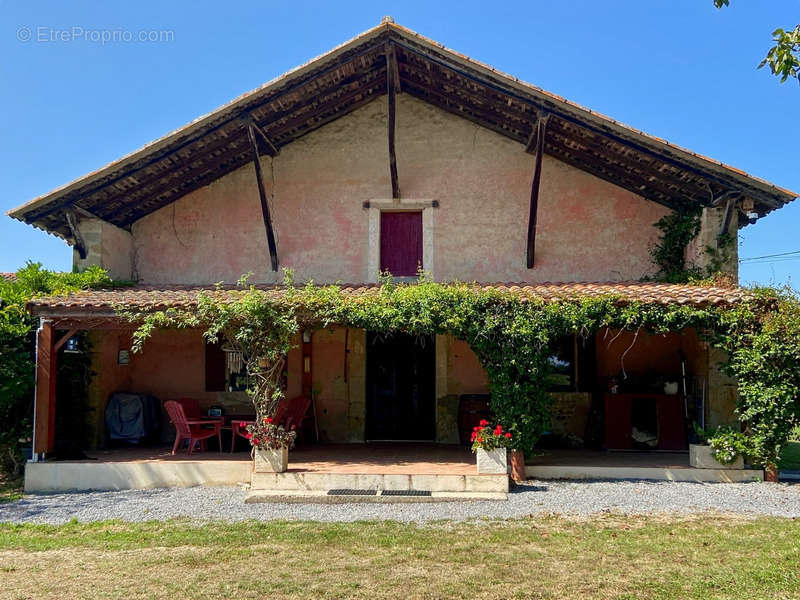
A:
783,58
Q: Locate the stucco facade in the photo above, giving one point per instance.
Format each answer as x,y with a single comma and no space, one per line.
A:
588,229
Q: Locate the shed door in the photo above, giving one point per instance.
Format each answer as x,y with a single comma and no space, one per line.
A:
401,243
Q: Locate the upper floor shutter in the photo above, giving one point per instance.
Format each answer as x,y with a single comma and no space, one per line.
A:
401,243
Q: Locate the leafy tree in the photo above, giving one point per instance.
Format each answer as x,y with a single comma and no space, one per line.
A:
784,57
17,348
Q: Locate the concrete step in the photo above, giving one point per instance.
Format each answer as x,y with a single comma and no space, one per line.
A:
321,497
650,473
322,482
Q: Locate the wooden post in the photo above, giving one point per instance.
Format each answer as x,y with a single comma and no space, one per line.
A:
539,130
45,403
273,249
391,81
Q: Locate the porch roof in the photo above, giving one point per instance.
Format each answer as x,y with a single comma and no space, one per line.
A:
102,303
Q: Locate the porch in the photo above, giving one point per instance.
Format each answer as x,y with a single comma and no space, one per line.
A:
372,466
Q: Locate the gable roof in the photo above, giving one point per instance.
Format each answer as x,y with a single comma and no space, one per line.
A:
355,73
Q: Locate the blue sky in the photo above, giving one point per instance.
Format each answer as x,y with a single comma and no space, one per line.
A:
677,69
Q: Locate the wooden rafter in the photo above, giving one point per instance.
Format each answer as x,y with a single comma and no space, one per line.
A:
273,249
391,82
541,128
272,150
78,242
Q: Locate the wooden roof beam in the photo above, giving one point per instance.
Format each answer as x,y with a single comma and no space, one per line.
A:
541,129
78,242
392,80
273,249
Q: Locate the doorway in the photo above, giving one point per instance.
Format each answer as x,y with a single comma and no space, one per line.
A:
401,387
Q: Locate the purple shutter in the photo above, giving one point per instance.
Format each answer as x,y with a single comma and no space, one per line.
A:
401,243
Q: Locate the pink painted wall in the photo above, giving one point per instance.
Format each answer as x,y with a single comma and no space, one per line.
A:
588,229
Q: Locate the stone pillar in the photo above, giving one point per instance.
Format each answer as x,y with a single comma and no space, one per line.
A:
722,395
705,248
356,384
107,246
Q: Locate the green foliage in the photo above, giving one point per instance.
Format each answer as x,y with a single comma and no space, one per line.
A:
784,57
678,228
17,344
764,348
512,336
727,443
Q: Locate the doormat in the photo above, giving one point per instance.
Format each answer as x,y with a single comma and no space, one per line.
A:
351,492
405,493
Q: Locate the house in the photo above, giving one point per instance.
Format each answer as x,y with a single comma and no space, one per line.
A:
392,152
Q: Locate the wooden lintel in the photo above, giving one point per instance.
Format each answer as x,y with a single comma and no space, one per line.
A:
63,339
45,401
78,241
273,249
391,63
541,127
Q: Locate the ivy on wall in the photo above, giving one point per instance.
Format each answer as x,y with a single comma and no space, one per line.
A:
512,336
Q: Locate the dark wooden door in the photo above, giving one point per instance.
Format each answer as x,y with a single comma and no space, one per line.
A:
400,387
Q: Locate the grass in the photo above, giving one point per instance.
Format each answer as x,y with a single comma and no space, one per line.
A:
605,557
10,488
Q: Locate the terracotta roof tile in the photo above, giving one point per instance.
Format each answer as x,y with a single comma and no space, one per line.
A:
94,302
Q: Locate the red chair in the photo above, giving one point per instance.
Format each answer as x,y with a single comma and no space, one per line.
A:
194,430
294,412
289,412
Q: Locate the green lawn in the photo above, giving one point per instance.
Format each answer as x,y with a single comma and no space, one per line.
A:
605,557
10,488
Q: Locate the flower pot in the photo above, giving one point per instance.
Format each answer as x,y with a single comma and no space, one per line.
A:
518,466
267,460
492,461
771,474
700,457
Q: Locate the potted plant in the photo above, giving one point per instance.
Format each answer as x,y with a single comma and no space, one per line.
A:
271,443
490,446
718,448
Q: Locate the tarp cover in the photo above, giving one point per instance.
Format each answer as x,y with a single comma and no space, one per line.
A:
132,417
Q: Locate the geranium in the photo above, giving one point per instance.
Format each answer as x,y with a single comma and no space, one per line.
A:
486,437
265,433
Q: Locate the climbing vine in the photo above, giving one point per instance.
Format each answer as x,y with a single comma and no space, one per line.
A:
678,229
512,335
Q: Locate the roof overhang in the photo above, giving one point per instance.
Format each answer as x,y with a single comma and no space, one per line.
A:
101,308
354,74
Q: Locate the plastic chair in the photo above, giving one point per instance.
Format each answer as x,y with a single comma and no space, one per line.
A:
194,430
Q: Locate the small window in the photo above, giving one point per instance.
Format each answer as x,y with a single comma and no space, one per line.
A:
401,243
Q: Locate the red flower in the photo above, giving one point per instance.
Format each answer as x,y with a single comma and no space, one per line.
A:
498,430
484,422
480,440
472,438
508,435
477,428
268,419
243,424
292,427
255,441
248,435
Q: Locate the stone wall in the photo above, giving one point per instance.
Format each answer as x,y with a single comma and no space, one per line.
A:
108,247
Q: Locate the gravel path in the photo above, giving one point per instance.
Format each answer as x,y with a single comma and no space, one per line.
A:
534,497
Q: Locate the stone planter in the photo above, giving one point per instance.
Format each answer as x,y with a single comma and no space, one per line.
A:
492,461
266,460
700,457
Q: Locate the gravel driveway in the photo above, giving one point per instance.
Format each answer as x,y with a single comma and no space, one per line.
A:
534,497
